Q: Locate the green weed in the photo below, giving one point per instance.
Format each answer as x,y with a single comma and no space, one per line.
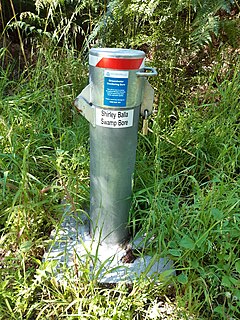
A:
186,186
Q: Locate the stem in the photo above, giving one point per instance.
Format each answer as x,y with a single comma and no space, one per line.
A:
19,34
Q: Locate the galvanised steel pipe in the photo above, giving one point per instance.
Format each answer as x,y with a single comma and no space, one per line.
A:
112,103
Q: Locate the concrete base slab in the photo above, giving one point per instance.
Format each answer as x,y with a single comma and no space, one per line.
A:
72,247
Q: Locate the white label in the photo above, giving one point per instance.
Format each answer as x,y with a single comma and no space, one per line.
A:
114,119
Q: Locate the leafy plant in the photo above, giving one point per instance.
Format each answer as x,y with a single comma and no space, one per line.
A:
206,19
66,23
186,186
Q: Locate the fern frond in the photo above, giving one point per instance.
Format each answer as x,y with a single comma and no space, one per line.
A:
207,21
202,34
28,29
230,30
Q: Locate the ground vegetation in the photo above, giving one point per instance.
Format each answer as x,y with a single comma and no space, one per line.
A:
186,186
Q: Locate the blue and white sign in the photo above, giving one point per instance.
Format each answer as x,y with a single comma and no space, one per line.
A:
115,88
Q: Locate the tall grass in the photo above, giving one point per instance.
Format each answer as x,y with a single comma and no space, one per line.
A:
42,141
187,192
185,202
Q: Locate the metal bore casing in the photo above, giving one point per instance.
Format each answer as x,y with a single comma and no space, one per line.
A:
112,103
116,93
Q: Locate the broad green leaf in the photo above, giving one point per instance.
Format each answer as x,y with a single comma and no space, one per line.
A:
26,246
182,278
235,282
175,252
226,282
187,243
219,309
237,266
195,264
236,294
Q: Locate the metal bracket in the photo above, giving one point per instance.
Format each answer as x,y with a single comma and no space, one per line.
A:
144,72
83,105
148,97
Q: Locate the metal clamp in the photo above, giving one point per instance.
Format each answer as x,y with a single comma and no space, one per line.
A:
148,97
83,105
144,72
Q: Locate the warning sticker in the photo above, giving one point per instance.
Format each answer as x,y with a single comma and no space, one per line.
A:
115,88
114,119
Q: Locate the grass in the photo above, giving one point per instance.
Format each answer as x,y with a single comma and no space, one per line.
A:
186,194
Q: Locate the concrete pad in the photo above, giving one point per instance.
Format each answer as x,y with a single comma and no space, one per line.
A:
72,246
